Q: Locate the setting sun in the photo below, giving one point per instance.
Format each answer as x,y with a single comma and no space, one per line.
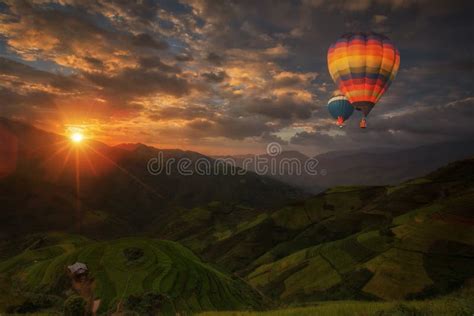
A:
272,157
77,137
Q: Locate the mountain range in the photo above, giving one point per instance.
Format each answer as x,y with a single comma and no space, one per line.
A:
111,189
224,242
375,166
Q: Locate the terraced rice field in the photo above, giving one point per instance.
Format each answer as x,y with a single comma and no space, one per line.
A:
417,256
165,267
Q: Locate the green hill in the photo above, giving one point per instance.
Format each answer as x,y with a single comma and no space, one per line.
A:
425,250
165,267
459,303
413,240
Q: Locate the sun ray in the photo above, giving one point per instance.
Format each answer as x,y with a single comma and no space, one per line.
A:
89,162
78,187
56,153
147,187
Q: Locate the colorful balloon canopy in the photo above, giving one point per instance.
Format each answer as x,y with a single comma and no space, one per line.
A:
340,108
363,65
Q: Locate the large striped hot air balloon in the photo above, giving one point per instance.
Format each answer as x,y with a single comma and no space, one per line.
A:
340,108
363,65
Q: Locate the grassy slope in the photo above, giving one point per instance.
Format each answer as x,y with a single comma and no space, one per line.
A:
448,306
426,250
166,267
274,235
357,242
413,240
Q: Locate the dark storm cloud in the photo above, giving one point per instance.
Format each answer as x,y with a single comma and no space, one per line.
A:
285,107
59,28
182,113
134,82
215,59
247,24
113,64
76,37
33,94
237,128
215,77
288,81
184,57
146,40
451,121
143,10
12,99
155,62
94,62
268,137
163,59
27,74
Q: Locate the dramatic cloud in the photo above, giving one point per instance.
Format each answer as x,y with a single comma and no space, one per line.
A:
215,76
285,107
133,83
146,40
210,75
215,59
425,124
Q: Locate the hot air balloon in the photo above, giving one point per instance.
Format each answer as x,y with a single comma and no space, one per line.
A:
363,65
340,108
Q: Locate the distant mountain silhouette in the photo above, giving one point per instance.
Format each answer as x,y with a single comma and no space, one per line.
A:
412,240
285,174
114,191
376,166
384,167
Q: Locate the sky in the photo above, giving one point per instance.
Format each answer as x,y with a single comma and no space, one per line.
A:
229,77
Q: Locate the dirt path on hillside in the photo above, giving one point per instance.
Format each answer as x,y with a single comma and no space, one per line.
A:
85,286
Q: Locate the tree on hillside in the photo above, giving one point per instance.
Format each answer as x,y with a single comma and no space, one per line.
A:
75,306
145,304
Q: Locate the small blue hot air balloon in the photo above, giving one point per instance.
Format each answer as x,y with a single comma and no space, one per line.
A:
340,109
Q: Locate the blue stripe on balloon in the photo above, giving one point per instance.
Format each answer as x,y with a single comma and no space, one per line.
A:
340,108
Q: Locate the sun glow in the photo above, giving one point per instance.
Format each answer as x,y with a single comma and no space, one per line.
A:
77,137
